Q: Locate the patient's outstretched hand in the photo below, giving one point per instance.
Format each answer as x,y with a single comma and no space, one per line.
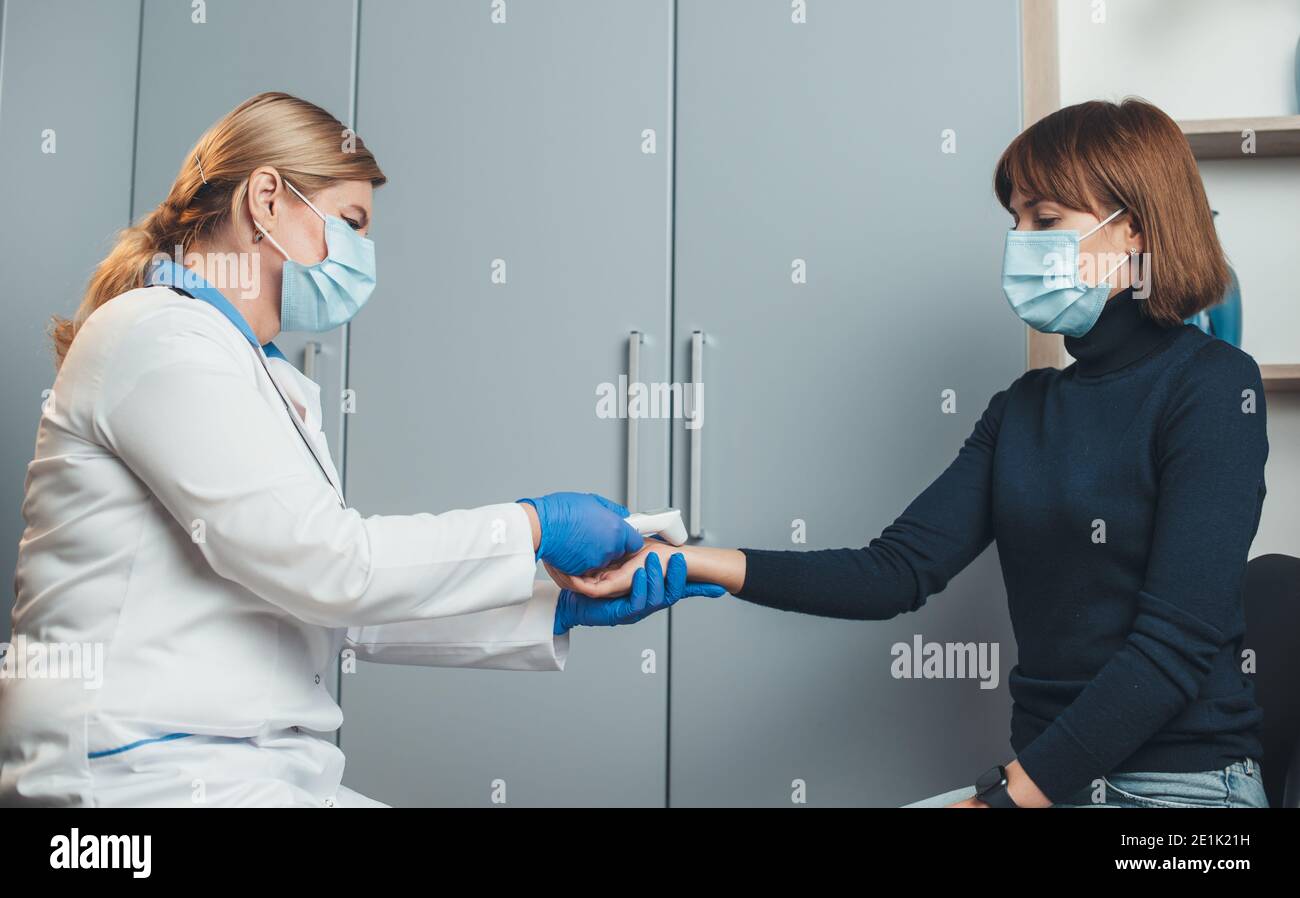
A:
615,579
654,587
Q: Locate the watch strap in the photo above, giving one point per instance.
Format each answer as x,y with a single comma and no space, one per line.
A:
998,797
995,795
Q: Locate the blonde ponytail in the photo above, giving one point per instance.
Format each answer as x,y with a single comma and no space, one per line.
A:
301,140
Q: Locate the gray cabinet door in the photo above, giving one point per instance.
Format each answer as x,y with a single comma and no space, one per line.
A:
822,145
67,99
194,72
522,236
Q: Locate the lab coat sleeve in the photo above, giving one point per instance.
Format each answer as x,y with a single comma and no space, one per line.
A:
181,406
518,637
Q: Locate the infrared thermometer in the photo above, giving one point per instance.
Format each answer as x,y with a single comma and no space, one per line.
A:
666,524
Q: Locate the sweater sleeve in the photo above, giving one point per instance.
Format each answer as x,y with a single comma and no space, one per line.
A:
1211,453
943,529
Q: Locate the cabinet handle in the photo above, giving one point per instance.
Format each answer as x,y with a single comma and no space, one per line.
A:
697,437
633,377
310,352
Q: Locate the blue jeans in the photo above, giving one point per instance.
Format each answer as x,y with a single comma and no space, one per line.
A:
1239,785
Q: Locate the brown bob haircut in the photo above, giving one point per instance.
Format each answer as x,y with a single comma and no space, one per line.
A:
1098,156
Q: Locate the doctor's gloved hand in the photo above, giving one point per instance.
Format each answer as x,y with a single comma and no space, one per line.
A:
651,591
581,531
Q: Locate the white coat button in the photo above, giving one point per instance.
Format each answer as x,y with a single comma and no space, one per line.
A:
317,679
329,802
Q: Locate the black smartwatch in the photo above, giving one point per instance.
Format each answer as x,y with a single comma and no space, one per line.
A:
991,788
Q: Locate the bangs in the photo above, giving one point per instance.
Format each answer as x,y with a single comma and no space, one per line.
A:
1043,165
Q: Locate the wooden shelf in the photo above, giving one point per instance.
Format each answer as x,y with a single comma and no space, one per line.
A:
1281,378
1220,138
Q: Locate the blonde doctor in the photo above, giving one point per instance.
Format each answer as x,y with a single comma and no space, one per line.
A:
185,532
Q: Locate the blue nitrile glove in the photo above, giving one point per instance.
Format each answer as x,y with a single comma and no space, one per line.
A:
651,591
581,531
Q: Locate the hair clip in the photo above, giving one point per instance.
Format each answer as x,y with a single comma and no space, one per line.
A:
199,163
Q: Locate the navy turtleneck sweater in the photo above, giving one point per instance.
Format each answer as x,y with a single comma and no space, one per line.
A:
1123,493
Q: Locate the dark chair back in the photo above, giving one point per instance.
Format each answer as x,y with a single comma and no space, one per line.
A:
1273,632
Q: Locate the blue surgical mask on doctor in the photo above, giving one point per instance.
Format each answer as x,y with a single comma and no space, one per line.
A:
330,292
1040,277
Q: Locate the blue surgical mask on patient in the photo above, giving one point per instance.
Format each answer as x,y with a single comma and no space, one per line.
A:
1040,277
329,293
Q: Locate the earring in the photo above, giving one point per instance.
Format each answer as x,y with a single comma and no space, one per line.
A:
257,236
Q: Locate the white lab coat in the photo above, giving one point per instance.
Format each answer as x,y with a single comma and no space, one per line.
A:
177,520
